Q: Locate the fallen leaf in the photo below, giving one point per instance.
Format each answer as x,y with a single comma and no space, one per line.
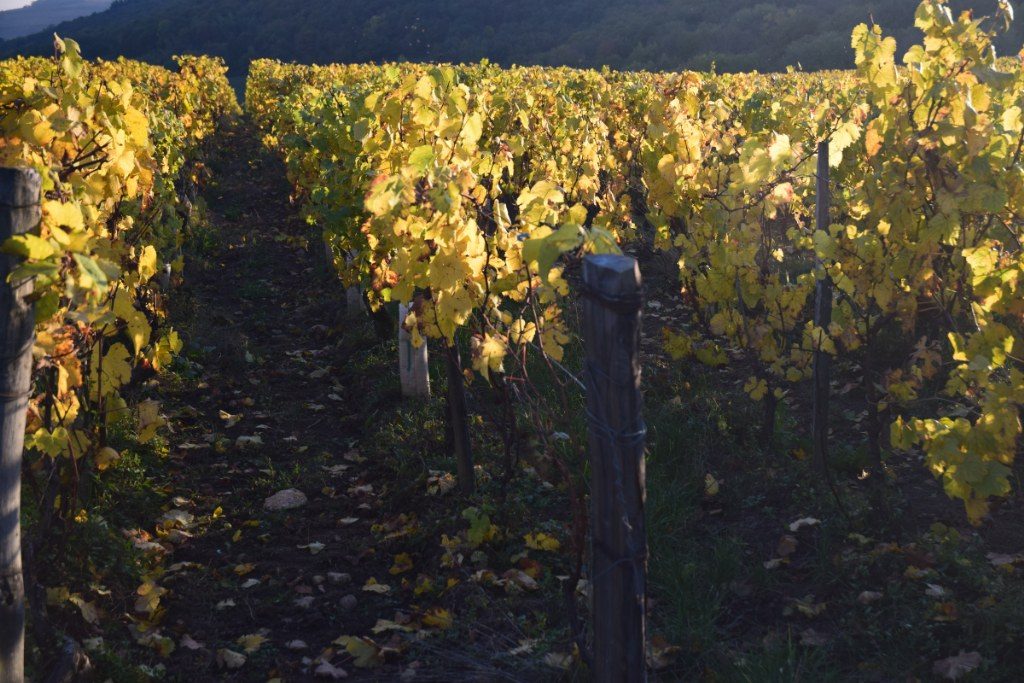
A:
787,546
189,643
161,644
913,573
542,541
661,654
946,612
383,625
801,523
229,659
868,597
371,586
328,670
251,642
711,485
88,609
438,618
364,652
176,518
812,638
244,442
229,419
558,660
954,668
1003,560
517,577
403,563
809,608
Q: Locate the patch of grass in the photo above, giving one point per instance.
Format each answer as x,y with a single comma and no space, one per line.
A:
781,661
204,240
255,290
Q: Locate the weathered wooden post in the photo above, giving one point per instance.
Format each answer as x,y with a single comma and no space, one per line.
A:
354,305
413,365
328,253
164,278
458,420
611,324
19,214
822,319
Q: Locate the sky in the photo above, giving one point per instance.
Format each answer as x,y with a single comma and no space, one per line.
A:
11,4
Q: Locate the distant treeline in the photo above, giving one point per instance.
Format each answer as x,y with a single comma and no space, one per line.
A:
732,35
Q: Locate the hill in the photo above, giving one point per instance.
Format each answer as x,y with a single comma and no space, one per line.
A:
42,14
733,35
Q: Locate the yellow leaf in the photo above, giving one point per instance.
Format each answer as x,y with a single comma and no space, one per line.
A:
29,246
711,485
229,659
439,618
403,563
371,586
148,262
88,609
66,215
364,652
251,642
150,420
542,541
113,371
106,457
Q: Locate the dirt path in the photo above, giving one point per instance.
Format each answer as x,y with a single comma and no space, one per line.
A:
261,408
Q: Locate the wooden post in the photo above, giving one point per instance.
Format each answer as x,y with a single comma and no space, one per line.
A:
355,307
611,324
164,278
19,214
413,368
822,319
458,420
328,251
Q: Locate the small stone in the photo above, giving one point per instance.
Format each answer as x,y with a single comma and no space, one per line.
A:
288,499
348,602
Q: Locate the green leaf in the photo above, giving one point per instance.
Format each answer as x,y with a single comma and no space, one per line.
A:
422,157
91,269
